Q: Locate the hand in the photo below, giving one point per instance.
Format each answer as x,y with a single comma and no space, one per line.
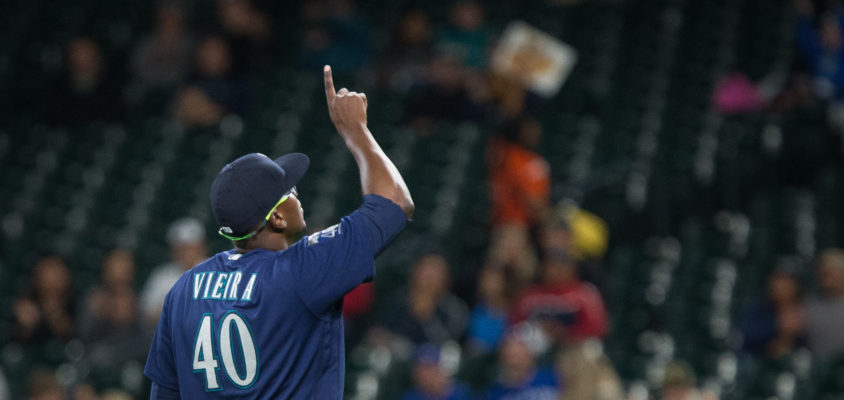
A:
346,109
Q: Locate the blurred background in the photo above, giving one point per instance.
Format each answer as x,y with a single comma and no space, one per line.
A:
643,199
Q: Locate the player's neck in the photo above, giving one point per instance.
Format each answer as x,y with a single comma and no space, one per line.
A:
274,242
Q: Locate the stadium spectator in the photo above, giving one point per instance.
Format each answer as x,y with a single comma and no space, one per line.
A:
248,30
442,94
186,237
774,325
426,312
510,96
115,394
581,234
569,310
680,383
335,33
409,50
359,301
796,94
822,47
86,92
214,91
825,331
557,234
47,311
572,315
85,391
111,326
584,235
519,184
466,35
161,61
430,380
357,305
520,377
42,384
118,335
489,316
118,272
588,372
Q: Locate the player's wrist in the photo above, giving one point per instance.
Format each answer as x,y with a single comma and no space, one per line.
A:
353,131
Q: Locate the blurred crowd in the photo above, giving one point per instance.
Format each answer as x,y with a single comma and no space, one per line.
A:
196,70
106,328
784,319
536,324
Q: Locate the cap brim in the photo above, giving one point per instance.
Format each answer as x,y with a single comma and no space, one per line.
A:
294,165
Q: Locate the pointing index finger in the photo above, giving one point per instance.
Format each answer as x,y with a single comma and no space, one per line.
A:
329,83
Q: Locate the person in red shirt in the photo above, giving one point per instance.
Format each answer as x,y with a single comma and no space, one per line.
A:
357,306
569,310
519,184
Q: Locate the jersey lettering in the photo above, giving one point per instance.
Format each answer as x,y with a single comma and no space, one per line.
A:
232,294
197,284
225,287
221,281
330,232
247,293
225,294
208,284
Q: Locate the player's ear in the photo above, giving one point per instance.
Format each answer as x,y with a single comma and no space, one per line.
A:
277,220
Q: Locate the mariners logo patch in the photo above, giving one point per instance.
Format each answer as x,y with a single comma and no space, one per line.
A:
329,232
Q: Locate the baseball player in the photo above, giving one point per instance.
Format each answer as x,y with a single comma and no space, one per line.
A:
263,320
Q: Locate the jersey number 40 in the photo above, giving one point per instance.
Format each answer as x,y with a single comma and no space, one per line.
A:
240,368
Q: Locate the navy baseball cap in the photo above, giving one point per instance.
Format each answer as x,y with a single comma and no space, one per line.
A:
246,189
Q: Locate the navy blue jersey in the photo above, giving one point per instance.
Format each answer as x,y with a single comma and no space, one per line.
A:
268,324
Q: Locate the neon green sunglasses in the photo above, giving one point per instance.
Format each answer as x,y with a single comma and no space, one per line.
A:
226,231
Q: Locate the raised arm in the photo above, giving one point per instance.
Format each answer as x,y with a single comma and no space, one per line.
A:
378,175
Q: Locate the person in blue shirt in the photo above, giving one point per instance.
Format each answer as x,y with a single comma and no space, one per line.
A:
520,377
264,320
489,317
773,325
432,381
822,47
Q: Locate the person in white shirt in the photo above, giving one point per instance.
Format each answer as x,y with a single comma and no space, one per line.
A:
186,237
824,325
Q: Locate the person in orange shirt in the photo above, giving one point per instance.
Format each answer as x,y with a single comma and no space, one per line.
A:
519,183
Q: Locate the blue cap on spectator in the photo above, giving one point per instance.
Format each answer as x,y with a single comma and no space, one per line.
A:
246,189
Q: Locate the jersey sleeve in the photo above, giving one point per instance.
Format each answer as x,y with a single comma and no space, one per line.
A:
337,259
161,365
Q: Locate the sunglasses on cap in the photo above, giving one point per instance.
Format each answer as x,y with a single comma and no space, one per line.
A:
226,232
